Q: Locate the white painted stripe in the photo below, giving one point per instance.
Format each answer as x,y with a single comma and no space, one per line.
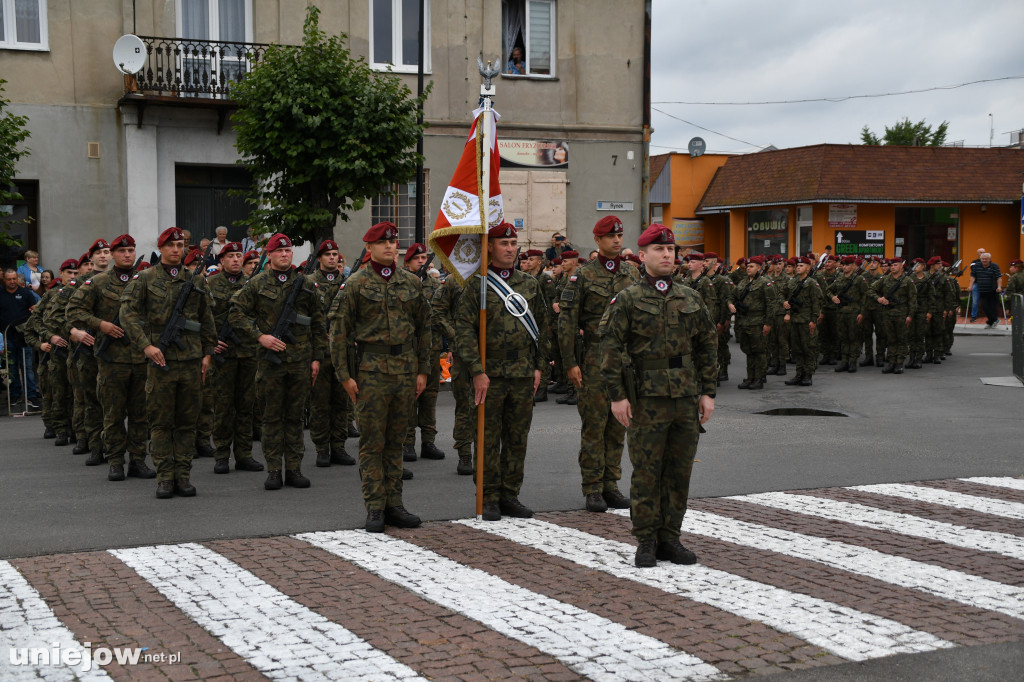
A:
946,498
838,629
593,646
26,622
999,482
941,582
275,634
891,522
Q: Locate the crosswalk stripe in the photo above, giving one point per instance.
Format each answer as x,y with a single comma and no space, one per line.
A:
591,645
838,629
278,636
941,582
892,522
27,622
946,498
999,482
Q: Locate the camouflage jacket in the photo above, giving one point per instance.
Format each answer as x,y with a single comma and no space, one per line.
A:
870,302
429,286
725,292
32,328
705,287
97,300
147,303
778,288
222,288
825,280
756,302
1015,285
850,290
805,300
443,304
902,300
328,284
929,299
669,338
55,322
511,353
583,302
385,322
256,307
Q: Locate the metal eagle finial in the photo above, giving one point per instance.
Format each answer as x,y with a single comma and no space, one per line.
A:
492,69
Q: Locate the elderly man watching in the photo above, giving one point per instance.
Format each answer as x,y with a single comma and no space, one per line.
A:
985,275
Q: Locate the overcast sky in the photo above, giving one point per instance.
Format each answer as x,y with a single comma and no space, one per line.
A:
754,50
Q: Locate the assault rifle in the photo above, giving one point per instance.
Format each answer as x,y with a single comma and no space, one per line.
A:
843,298
283,329
177,322
100,347
794,306
359,263
227,333
421,273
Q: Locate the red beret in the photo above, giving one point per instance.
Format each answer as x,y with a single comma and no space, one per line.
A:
756,260
98,244
608,225
696,255
1015,262
326,245
804,260
414,250
556,261
934,260
278,241
502,230
919,260
55,282
656,234
366,257
833,257
171,234
123,241
250,255
533,253
192,254
633,258
791,261
708,255
142,266
230,247
777,258
381,231
84,259
570,254
848,260
69,264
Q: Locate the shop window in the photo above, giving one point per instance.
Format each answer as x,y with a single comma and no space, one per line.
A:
767,232
926,231
394,30
398,206
528,28
23,25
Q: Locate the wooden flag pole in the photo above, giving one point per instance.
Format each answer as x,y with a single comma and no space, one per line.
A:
483,166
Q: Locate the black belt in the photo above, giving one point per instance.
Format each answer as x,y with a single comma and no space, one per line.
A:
381,349
677,362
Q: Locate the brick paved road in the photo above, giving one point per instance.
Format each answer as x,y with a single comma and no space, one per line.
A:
786,582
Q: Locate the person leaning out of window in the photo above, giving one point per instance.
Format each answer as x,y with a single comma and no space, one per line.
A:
516,64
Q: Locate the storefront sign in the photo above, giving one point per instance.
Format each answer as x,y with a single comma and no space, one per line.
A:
767,232
550,154
688,233
860,243
842,216
615,206
768,221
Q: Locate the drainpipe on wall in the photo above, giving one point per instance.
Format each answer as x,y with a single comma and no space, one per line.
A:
645,189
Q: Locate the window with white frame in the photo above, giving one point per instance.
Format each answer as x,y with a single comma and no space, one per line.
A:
394,34
23,25
215,20
528,30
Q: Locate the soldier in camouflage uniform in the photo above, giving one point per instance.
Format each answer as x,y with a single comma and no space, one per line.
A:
897,296
570,263
754,305
254,312
443,307
328,413
425,411
514,364
57,347
828,338
777,342
56,418
380,346
802,301
531,262
847,293
87,369
695,276
935,329
234,376
922,318
121,369
195,258
739,272
667,336
1016,283
873,325
174,375
952,309
583,302
725,290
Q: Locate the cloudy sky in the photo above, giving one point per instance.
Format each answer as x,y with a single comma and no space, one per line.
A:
754,51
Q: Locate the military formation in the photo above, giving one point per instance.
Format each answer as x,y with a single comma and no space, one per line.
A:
176,360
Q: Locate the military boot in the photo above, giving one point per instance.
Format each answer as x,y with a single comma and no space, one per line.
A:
723,375
491,511
646,553
559,388
205,450
853,367
96,458
937,358
295,479
675,552
889,368
409,453
511,506
756,385
898,367
165,490
867,361
81,448
323,458
400,517
375,521
569,398
49,433
116,472
273,481
406,474
247,464
353,432
62,440
137,469
340,456
914,363
183,487
595,503
431,451
843,366
745,383
465,465
805,380
780,370
615,499
221,466
795,381
541,396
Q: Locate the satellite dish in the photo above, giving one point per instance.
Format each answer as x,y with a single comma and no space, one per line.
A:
696,147
129,54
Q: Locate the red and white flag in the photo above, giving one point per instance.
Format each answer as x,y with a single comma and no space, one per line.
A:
456,235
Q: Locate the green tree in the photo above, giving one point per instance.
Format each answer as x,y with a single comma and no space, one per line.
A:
908,134
321,133
12,134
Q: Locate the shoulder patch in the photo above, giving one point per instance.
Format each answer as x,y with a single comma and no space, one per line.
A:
88,281
342,286
612,301
573,278
136,276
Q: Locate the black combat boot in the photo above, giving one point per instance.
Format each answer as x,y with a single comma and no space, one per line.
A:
559,388
890,368
205,450
843,366
646,553
805,380
409,453
937,358
221,466
137,469
756,385
465,465
81,449
406,474
340,456
745,383
165,490
49,433
491,511
96,458
595,503
62,440
569,398
431,451
323,458
898,367
615,499
353,432
273,481
795,381
375,521
511,506
675,552
780,371
541,396
183,487
247,464
853,367
723,375
401,518
116,472
295,479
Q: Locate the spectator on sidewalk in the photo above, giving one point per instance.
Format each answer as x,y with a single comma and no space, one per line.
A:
16,305
974,288
30,270
986,279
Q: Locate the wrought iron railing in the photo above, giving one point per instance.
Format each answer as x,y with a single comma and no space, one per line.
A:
183,67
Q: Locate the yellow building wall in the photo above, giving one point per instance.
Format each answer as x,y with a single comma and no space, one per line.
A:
690,179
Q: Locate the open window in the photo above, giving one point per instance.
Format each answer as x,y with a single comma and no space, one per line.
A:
394,35
212,67
23,25
528,30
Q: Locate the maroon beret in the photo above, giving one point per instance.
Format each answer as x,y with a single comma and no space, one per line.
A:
192,254
230,247
97,245
122,241
696,255
84,259
804,260
1016,262
69,264
848,260
533,253
556,261
326,245
250,255
570,254
656,233
414,250
708,255
934,260
756,260
502,230
381,231
55,282
833,257
608,225
278,241
919,260
791,261
142,266
633,258
171,234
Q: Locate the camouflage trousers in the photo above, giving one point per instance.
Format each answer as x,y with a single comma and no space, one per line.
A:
44,382
77,402
328,416
662,443
424,412
121,387
915,335
464,431
60,394
949,328
873,327
602,436
804,346
934,334
234,384
172,409
384,404
724,354
508,412
204,422
896,334
849,334
752,343
828,336
85,395
778,342
285,389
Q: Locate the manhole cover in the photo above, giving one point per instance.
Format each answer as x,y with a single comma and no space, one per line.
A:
801,412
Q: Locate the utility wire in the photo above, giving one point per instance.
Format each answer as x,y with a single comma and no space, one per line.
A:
714,132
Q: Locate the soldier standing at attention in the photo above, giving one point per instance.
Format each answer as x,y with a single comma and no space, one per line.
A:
380,346
54,324
669,338
897,296
531,262
425,410
802,304
778,342
234,379
934,341
175,375
121,385
922,317
250,261
516,351
61,397
204,424
583,302
847,293
570,263
754,306
255,310
873,325
328,413
827,339
443,307
725,291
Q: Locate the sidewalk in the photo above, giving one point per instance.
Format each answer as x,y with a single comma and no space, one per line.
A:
979,328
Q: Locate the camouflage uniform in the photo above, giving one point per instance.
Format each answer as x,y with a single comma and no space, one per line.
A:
383,324
952,308
670,342
850,290
425,410
873,324
146,305
61,405
726,293
255,309
778,341
756,306
919,327
828,336
86,416
443,306
234,377
512,358
548,288
582,304
122,375
902,304
805,300
33,332
328,405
